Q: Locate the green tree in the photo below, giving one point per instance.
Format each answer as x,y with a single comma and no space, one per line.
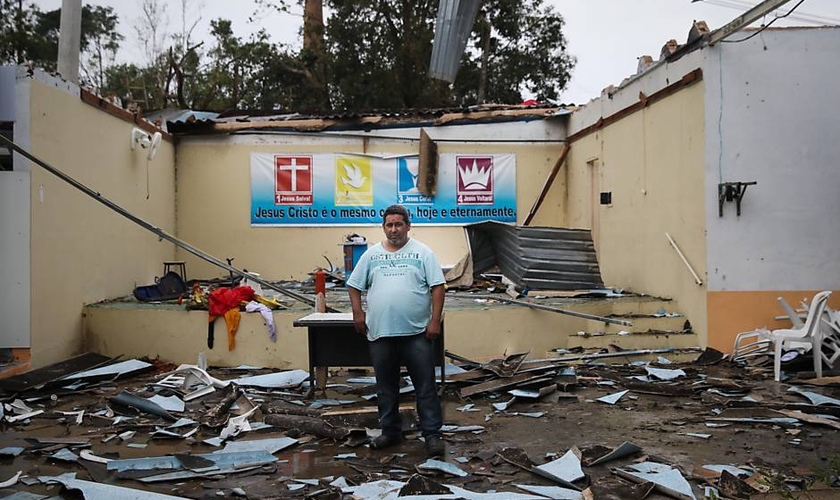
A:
518,46
377,54
28,34
17,31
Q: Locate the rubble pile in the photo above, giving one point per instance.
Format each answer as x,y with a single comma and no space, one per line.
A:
516,428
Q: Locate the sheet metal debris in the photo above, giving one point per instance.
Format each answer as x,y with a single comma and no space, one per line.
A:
11,481
613,398
815,398
667,479
566,467
99,491
436,465
272,445
123,368
168,403
540,258
281,380
600,454
664,374
553,492
142,404
219,460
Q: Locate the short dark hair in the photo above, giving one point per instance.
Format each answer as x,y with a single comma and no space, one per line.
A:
397,210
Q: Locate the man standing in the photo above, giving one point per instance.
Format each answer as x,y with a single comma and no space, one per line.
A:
405,293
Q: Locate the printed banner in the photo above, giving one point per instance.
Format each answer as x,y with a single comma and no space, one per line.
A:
352,190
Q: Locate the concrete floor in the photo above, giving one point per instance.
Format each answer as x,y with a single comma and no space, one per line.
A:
666,428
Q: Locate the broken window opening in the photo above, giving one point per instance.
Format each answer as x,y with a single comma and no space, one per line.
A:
6,156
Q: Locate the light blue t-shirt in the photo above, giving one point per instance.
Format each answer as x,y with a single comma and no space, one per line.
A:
399,302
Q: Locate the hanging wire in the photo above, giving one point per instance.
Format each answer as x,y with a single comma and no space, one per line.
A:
800,16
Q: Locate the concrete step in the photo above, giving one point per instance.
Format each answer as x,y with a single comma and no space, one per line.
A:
635,340
676,356
631,304
641,323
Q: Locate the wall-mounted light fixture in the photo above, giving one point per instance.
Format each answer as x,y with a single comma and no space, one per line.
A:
146,141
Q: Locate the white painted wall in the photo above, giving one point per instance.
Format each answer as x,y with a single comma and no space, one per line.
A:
14,215
772,117
14,266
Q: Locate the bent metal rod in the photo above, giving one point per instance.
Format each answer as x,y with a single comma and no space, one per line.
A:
154,229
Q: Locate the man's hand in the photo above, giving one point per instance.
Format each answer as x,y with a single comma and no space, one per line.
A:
359,322
433,330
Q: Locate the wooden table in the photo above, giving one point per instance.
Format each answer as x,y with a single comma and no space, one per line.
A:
334,341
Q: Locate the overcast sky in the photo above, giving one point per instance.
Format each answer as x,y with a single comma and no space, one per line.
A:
606,36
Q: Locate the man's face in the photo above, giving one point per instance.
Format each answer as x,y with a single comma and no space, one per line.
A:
396,230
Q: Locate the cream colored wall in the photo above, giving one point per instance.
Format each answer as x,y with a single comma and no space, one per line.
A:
178,336
82,252
653,163
214,200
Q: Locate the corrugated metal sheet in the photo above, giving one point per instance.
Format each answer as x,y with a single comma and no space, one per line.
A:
541,258
452,30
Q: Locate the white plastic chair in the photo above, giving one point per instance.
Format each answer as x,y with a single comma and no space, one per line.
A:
809,334
759,342
757,347
829,349
795,320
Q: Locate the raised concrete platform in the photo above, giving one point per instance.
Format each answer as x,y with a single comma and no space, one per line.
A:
475,328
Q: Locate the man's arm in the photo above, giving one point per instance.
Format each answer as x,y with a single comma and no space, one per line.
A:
358,313
433,329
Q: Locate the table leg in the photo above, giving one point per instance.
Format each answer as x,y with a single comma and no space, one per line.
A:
321,378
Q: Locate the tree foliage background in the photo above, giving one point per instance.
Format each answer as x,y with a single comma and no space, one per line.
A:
366,54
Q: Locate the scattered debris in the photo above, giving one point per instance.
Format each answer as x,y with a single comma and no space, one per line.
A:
127,430
667,479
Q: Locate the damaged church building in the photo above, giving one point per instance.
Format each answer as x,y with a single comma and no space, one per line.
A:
654,225
705,179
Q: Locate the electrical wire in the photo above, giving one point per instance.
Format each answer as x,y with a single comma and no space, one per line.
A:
766,25
800,16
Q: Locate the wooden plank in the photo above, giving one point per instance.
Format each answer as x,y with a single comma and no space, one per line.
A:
476,374
427,165
513,113
500,383
548,182
308,125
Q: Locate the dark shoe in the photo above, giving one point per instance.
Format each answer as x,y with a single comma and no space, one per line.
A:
434,446
385,441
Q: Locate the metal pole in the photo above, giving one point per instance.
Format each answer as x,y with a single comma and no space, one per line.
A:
685,261
154,229
557,310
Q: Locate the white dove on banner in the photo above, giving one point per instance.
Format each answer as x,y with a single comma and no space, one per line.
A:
354,178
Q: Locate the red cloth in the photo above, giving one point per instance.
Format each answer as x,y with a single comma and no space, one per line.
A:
222,300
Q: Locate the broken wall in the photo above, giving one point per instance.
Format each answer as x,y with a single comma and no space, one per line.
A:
650,163
82,252
214,192
771,118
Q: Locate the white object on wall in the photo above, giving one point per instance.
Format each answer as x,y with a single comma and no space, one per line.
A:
146,141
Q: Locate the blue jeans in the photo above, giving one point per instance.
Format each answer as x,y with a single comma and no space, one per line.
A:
418,354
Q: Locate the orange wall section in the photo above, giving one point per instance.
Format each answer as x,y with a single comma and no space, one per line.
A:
730,313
